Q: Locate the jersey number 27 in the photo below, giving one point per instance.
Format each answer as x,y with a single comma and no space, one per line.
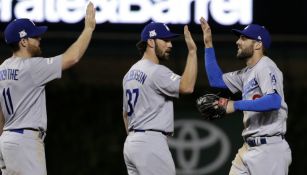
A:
132,97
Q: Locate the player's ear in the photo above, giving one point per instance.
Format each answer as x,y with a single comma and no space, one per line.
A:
258,45
23,42
151,43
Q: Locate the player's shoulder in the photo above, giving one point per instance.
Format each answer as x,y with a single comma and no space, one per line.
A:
28,62
8,60
45,61
164,68
13,62
4,62
139,65
265,65
35,59
266,62
146,65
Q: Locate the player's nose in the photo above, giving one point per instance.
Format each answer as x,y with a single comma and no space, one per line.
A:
238,42
169,44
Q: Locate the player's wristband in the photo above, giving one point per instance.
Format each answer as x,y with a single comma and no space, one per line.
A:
266,103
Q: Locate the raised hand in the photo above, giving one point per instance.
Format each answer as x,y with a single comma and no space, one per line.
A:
189,40
206,33
90,21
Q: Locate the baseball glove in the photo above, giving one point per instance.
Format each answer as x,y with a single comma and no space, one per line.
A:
211,106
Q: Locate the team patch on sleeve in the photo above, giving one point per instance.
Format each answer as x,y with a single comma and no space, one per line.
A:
49,60
174,77
273,78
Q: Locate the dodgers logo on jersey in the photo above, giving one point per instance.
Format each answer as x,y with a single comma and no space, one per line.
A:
252,84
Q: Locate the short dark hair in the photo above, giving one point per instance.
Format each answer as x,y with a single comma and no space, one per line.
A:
265,51
141,46
14,46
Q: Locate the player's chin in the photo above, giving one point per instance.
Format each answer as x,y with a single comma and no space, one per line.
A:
239,52
167,55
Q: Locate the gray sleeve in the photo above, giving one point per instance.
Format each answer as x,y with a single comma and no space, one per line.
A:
268,80
233,81
44,70
125,105
166,81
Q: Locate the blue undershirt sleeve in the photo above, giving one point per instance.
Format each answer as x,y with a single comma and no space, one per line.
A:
266,103
214,72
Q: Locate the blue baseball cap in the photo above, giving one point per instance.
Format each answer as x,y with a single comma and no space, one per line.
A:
22,28
156,30
255,32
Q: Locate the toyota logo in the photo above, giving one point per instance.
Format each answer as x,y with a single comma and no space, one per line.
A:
194,139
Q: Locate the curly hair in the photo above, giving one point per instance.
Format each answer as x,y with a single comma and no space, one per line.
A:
141,46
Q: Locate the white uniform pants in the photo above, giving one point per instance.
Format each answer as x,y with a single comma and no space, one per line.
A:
22,153
268,159
147,153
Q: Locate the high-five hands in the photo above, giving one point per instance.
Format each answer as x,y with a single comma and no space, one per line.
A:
90,21
206,33
189,40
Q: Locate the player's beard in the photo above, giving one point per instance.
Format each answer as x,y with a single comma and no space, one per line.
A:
35,51
162,55
245,53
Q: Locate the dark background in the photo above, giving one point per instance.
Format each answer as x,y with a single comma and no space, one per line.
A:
85,128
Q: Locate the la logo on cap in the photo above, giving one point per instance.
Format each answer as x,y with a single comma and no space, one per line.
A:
152,33
22,33
259,37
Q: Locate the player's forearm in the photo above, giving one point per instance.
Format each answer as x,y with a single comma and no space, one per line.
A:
189,75
213,70
266,103
75,52
208,43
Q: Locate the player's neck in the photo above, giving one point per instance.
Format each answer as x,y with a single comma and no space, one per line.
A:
151,57
252,61
22,54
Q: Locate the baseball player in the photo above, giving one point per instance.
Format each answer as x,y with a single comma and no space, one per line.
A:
148,92
265,150
22,85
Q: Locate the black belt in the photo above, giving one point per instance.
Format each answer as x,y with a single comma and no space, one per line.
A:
42,133
253,142
263,140
156,130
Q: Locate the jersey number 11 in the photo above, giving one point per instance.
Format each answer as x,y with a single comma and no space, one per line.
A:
8,101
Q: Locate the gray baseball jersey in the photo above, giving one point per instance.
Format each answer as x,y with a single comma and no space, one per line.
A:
148,90
262,79
22,87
